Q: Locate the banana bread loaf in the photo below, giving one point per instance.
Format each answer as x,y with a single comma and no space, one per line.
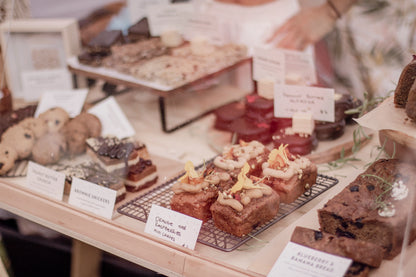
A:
375,207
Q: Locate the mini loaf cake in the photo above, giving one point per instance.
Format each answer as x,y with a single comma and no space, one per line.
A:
225,115
116,155
195,192
298,143
235,156
375,207
245,206
289,175
141,175
259,109
248,130
360,251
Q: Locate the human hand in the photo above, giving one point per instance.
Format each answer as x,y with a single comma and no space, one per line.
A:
306,27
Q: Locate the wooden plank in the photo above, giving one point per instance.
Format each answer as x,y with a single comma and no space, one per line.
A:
85,260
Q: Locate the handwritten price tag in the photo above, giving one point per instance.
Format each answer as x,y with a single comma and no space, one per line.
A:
45,181
289,100
173,226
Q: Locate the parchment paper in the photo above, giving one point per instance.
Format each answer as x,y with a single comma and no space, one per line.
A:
387,116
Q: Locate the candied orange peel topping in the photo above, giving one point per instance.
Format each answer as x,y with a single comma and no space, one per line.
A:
278,157
243,182
190,176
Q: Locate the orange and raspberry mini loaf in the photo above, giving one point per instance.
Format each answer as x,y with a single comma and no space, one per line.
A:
289,175
195,191
235,156
378,207
245,206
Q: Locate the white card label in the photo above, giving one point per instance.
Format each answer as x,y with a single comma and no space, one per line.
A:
269,64
93,198
34,83
202,23
114,122
45,181
173,226
137,8
71,101
299,67
289,100
301,261
163,18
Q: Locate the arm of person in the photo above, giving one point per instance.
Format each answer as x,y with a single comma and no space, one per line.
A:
309,25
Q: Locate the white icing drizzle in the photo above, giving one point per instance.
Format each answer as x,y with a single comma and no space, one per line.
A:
212,179
246,196
399,191
294,167
179,187
243,153
387,210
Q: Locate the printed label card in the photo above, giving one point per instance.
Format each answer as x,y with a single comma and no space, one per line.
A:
93,198
173,226
301,261
269,64
45,181
71,101
36,82
114,122
169,17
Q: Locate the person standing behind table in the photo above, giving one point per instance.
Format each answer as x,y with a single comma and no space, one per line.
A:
310,24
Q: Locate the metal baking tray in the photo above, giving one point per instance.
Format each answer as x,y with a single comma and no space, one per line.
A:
210,235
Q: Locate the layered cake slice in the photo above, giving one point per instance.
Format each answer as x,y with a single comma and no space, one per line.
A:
116,155
141,175
92,172
245,206
195,192
378,207
289,175
235,156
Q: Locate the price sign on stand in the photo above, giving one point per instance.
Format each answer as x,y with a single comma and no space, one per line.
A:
301,261
168,17
173,226
45,181
114,122
71,101
93,198
289,100
269,64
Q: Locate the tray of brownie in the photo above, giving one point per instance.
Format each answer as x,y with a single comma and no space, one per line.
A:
237,194
162,63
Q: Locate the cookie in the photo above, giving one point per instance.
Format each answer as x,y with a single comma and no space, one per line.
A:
21,139
92,123
49,148
37,125
55,119
8,156
76,134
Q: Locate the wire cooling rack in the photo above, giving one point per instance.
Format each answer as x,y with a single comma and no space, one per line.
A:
210,235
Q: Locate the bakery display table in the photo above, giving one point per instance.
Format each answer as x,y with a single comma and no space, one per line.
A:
125,237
